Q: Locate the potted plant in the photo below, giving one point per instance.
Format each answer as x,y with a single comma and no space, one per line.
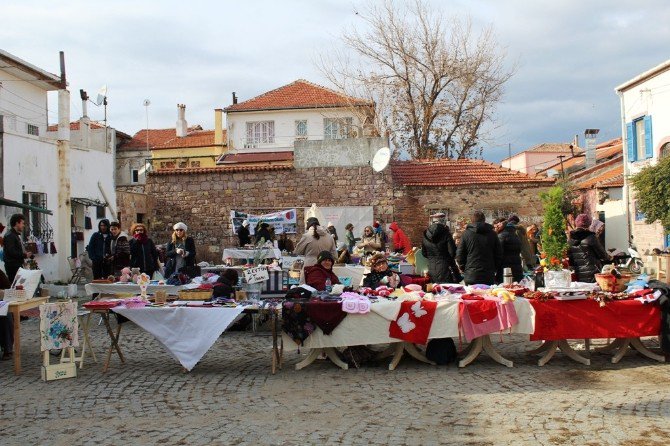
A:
554,240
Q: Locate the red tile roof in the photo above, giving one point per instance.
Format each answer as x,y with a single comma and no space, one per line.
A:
194,138
605,150
157,137
256,157
74,125
297,95
609,178
221,169
460,172
554,148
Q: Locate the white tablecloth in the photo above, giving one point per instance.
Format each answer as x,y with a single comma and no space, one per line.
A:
186,332
373,328
123,288
236,253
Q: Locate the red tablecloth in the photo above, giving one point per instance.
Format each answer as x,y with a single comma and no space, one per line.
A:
586,319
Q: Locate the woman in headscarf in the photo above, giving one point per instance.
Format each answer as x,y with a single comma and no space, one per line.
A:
143,252
243,234
180,250
314,240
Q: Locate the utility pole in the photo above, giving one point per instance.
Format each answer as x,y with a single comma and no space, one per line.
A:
560,157
509,152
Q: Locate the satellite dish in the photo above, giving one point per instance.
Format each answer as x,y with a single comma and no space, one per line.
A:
381,159
146,102
102,94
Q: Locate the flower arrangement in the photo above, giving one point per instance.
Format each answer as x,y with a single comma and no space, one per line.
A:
553,238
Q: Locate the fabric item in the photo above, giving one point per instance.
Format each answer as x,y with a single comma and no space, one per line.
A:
482,317
510,243
373,279
441,351
325,315
355,303
187,333
180,225
58,325
414,322
310,246
52,248
265,253
325,255
479,254
401,242
439,249
88,224
586,319
295,321
316,276
664,303
586,254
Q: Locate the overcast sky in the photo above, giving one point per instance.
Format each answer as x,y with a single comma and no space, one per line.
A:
569,55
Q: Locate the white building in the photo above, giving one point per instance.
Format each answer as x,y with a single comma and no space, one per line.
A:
645,118
41,171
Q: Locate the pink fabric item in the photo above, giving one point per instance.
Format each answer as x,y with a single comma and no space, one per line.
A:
482,317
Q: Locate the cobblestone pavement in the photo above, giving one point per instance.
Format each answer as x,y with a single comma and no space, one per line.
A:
231,398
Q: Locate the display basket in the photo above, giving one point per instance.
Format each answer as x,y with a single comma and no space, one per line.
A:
612,284
195,294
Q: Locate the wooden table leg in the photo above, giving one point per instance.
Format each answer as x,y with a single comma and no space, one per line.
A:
634,343
474,349
397,351
546,345
416,353
548,351
493,353
311,357
114,344
331,353
611,347
17,340
571,353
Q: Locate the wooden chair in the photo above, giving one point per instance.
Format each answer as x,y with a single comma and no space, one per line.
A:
77,271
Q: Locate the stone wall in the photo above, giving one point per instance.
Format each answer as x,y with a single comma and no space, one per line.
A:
204,200
129,204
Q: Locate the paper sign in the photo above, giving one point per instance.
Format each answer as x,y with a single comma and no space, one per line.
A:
4,307
256,275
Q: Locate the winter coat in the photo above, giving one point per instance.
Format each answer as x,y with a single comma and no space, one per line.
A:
400,240
243,235
586,254
333,232
171,253
374,279
439,249
370,244
310,246
511,253
144,256
349,239
263,233
13,249
119,249
527,253
479,254
98,246
316,275
664,303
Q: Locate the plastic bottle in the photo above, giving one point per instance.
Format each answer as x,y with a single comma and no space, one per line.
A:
329,285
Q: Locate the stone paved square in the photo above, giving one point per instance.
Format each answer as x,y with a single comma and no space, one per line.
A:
231,398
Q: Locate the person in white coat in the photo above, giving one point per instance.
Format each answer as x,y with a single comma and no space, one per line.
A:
314,240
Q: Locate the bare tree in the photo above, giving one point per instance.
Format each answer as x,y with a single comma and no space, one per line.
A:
434,82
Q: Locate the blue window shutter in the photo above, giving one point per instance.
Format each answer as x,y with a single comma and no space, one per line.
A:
630,142
648,140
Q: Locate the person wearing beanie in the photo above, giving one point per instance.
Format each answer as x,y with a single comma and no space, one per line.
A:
314,241
401,242
180,251
316,275
585,252
243,234
527,254
380,274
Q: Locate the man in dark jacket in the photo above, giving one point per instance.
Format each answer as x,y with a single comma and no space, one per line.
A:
527,254
99,249
263,233
439,249
14,253
585,252
511,251
479,254
243,234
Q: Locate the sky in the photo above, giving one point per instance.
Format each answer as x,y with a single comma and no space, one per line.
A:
568,56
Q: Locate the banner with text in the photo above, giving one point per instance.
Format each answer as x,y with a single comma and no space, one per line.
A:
282,221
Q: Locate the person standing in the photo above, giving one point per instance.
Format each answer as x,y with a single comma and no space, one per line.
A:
527,255
263,233
401,242
533,234
585,252
98,250
332,231
349,238
285,243
314,241
143,252
439,249
479,254
243,234
180,250
119,248
370,242
14,252
511,250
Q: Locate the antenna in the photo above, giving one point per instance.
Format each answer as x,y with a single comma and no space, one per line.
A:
381,159
146,104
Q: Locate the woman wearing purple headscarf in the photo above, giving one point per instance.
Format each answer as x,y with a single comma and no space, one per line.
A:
586,254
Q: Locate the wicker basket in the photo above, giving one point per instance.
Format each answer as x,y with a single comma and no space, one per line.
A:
608,282
195,294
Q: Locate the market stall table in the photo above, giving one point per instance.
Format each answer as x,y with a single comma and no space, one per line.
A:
16,308
354,272
129,288
628,320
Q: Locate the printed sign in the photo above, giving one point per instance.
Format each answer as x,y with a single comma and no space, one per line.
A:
256,275
282,221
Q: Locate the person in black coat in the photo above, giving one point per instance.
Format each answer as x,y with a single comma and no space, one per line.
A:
143,252
511,251
243,234
99,249
479,254
263,232
180,251
439,249
14,253
585,252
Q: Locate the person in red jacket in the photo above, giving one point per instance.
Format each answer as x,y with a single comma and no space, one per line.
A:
316,275
401,242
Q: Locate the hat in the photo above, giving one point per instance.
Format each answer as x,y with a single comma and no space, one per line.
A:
376,259
375,225
330,224
514,219
180,225
324,255
311,221
583,221
245,223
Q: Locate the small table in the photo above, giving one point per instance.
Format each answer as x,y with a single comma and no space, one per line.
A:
16,308
663,258
114,337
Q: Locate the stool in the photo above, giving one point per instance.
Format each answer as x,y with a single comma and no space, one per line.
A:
84,322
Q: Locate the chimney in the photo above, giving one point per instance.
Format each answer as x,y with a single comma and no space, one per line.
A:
182,126
84,103
218,127
234,98
590,141
575,141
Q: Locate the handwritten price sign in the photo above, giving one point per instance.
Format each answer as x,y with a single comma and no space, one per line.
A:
256,275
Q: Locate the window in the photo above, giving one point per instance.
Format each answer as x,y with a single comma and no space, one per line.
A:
140,218
36,222
639,140
639,216
337,128
183,164
195,163
33,130
261,132
665,150
301,129
168,165
134,175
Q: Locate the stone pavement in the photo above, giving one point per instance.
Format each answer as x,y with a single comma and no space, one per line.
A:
231,398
